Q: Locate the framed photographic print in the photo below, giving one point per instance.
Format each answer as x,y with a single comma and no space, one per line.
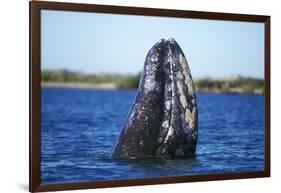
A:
123,96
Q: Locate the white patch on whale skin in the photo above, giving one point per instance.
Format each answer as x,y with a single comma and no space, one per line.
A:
193,101
183,99
169,134
183,63
190,88
151,85
190,117
165,124
186,72
194,116
172,101
170,89
141,142
168,105
154,58
179,75
170,129
150,69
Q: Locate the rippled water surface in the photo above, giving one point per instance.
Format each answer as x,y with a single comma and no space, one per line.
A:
80,126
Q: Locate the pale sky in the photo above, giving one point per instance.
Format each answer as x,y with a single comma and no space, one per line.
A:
112,43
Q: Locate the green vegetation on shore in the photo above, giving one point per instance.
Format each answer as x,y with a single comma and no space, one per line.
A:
236,84
65,76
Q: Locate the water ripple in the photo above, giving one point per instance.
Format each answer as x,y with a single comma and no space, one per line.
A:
79,128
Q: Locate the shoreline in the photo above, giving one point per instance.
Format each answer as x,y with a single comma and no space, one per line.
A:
79,85
112,86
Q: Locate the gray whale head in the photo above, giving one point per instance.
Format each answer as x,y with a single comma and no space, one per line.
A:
163,120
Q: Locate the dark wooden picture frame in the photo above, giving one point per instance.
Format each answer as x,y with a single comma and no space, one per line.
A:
34,99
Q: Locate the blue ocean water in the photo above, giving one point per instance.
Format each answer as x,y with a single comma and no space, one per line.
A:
80,126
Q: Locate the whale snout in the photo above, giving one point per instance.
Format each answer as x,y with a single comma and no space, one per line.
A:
163,119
